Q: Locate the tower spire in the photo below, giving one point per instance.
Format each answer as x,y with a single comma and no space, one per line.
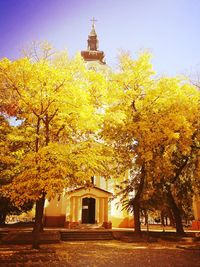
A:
92,38
93,32
92,53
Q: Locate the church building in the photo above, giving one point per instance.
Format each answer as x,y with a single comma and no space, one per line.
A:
95,204
88,205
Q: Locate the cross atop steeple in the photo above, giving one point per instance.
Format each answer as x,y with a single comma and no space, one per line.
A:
93,32
93,21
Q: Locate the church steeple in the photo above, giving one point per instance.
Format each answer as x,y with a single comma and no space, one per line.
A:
92,38
92,53
93,32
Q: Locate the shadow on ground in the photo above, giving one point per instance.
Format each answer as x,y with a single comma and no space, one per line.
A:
102,253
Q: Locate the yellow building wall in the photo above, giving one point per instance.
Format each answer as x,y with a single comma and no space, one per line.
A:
119,217
56,206
60,210
55,211
196,208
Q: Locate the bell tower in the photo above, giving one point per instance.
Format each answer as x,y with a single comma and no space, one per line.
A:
92,39
92,53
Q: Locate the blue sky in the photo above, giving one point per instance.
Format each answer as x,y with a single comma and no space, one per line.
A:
169,29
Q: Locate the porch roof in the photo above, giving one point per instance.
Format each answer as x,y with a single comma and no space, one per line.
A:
91,190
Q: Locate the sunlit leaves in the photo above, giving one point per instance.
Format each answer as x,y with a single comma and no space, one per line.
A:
60,105
153,120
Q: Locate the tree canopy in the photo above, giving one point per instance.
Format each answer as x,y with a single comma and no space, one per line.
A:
154,124
59,107
76,122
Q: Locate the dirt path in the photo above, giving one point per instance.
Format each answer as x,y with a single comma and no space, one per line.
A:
102,254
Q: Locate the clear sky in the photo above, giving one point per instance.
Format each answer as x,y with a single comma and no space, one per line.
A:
170,29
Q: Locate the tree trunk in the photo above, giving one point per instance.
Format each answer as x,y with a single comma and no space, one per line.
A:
4,210
38,225
146,219
171,218
162,218
136,202
3,218
136,211
176,213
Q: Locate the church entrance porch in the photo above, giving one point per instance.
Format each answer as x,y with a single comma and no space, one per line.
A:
88,206
88,210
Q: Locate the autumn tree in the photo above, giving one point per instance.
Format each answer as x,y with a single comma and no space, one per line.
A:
54,99
174,123
155,126
9,162
121,130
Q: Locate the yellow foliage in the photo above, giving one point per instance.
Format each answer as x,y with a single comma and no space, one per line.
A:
76,123
60,104
157,120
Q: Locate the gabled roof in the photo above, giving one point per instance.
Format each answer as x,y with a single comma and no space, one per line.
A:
90,189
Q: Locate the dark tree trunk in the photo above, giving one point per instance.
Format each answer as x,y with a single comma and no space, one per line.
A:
4,210
176,213
162,218
171,218
146,217
38,225
3,218
136,203
136,211
47,129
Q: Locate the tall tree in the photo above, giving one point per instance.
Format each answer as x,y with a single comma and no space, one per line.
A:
155,126
54,101
121,126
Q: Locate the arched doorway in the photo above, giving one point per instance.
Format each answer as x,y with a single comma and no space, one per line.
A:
88,210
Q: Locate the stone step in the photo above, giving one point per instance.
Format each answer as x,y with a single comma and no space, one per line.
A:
26,237
86,235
